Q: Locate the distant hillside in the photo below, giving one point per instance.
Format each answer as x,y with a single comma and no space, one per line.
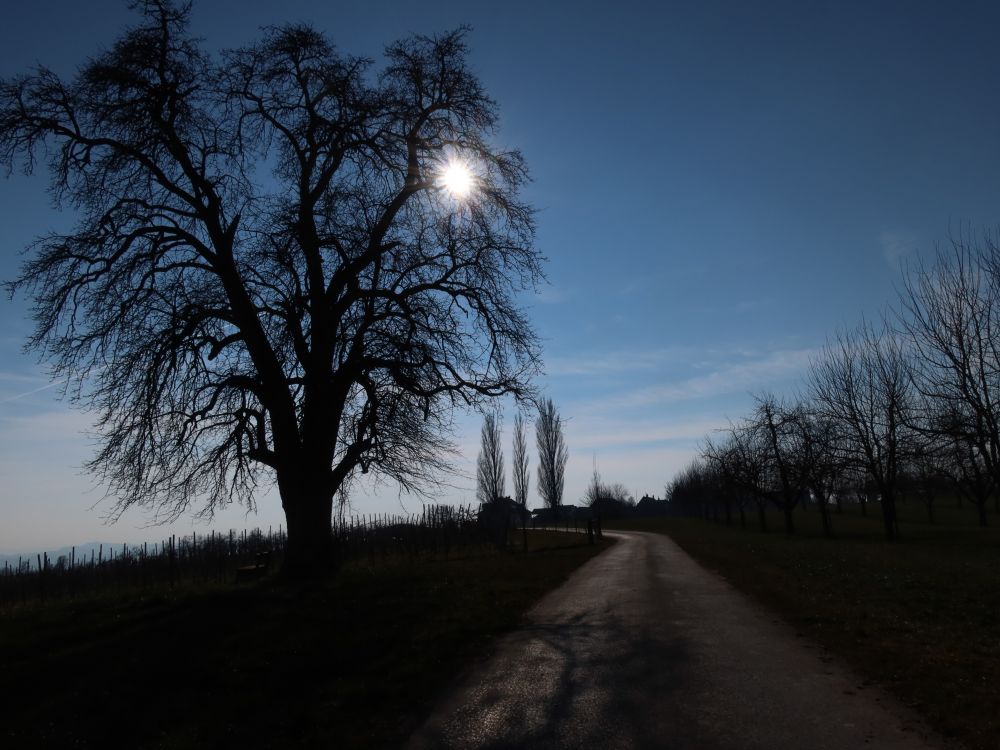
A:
83,551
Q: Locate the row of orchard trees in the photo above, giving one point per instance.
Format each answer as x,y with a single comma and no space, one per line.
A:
909,403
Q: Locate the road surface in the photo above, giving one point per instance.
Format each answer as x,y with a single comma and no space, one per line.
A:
644,648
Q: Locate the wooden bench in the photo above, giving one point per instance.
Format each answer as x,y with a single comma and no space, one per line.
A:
256,570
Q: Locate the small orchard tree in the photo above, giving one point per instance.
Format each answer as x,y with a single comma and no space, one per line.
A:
951,318
863,384
787,475
821,456
741,460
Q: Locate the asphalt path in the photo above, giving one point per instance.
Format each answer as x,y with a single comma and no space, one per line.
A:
644,648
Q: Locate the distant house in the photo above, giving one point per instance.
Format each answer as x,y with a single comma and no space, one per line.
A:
608,508
561,514
651,507
505,508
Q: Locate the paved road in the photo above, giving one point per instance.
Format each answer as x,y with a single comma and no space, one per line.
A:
643,648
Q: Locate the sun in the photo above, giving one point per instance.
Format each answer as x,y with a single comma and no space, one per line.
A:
457,179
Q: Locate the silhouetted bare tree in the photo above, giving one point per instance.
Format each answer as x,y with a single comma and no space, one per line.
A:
961,460
695,491
778,455
787,470
927,469
552,454
741,460
519,459
951,313
269,280
862,383
821,458
607,500
490,479
722,458
686,491
595,489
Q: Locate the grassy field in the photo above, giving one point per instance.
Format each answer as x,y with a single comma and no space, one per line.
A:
355,664
920,616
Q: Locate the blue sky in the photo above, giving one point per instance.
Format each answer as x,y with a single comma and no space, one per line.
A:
720,186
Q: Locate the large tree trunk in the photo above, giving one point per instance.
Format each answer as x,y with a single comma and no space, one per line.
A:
823,503
827,526
889,516
789,520
981,507
761,518
310,553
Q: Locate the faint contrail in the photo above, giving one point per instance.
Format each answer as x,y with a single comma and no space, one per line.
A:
28,393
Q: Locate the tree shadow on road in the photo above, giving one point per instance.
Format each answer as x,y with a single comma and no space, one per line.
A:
589,680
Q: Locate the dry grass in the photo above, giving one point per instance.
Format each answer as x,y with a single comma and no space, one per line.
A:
920,616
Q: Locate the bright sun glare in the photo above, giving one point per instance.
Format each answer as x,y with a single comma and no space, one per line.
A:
457,179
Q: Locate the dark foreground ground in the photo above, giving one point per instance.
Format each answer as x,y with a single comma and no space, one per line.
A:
644,648
355,664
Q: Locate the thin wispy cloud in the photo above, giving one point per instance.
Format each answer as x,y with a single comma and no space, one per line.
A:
8,376
609,433
43,428
733,377
753,305
617,362
896,246
551,295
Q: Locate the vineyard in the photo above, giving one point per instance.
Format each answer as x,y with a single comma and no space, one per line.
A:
438,532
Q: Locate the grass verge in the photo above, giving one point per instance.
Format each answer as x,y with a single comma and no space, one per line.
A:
355,664
920,616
